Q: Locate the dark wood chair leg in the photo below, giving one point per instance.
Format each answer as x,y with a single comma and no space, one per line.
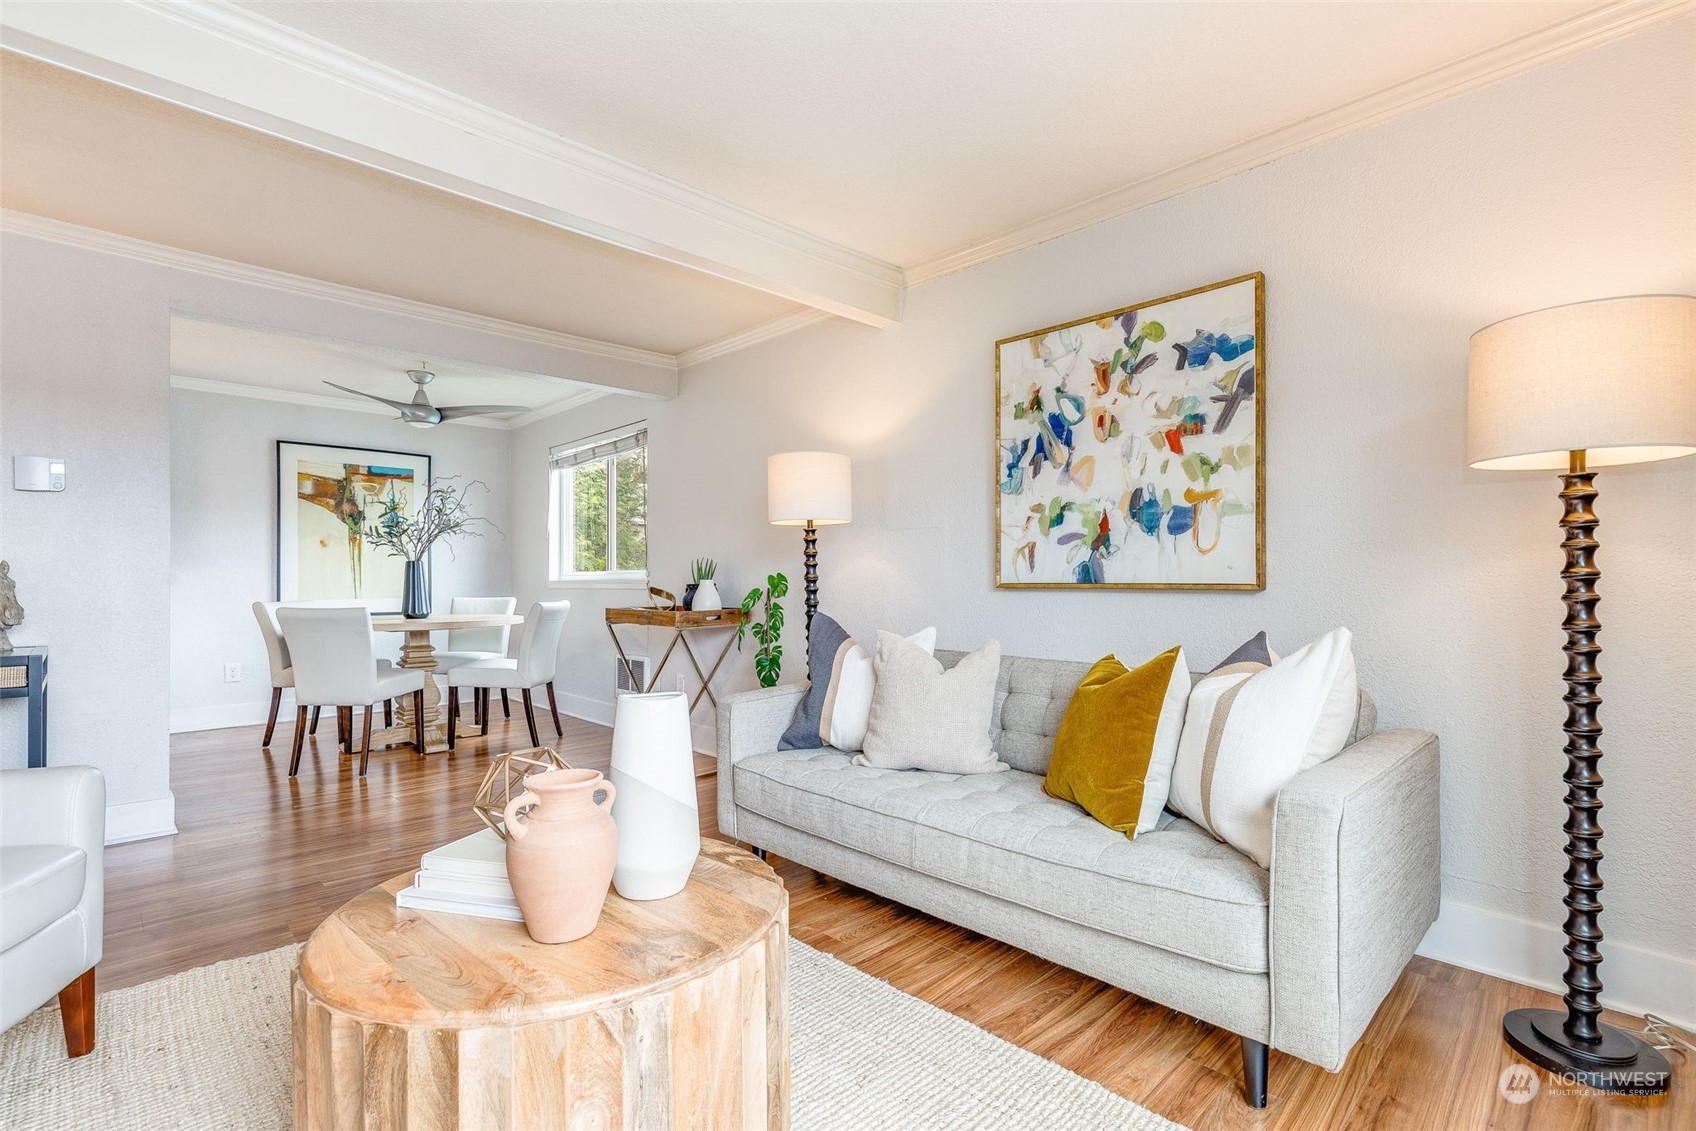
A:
365,749
76,1009
553,706
529,716
314,729
453,713
506,708
483,706
418,720
299,739
1255,1057
344,740
388,713
271,723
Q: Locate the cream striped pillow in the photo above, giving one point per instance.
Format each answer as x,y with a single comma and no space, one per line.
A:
1250,728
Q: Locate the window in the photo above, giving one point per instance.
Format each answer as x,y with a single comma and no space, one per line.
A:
598,508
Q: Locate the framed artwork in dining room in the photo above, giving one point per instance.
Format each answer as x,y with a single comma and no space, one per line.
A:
1130,446
327,497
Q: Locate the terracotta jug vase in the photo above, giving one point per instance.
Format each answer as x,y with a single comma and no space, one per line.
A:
560,855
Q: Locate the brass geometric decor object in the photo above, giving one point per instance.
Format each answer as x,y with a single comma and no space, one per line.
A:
505,780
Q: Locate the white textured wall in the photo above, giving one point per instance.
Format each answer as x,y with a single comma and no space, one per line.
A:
85,350
85,355
223,533
1383,251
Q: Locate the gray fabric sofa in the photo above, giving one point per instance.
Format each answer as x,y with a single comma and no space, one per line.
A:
1297,957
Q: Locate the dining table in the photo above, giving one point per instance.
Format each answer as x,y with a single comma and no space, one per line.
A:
419,654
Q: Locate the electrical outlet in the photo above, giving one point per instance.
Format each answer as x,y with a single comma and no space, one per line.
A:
232,673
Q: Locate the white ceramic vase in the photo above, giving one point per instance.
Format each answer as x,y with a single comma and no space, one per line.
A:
706,597
653,768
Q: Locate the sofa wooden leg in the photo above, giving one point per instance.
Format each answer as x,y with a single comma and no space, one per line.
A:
76,1008
760,852
1255,1057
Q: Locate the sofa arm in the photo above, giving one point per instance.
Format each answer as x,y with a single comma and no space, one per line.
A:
749,722
1356,877
62,805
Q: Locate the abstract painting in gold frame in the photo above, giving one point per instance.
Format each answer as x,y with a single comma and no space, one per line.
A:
328,496
1130,446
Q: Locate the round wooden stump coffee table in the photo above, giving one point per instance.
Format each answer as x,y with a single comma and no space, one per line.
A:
673,1013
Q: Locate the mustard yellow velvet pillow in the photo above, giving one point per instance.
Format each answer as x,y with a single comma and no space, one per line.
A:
1113,755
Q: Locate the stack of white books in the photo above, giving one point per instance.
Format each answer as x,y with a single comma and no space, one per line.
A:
467,877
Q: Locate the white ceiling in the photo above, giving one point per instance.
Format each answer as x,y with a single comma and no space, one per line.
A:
907,130
83,151
686,178
224,358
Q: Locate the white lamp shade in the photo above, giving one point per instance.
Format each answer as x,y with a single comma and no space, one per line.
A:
1615,377
803,487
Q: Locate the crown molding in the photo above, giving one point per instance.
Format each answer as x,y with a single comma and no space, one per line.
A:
309,400
564,404
1569,37
754,335
93,239
576,399
222,60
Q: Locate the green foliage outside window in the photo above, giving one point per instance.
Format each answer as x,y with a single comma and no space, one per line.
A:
589,507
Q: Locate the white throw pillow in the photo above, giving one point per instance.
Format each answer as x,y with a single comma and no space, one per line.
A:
848,701
1157,784
1251,728
924,718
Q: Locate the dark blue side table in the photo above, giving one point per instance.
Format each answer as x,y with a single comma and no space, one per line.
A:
23,674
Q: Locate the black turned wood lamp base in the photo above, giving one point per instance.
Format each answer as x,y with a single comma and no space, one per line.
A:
1619,1063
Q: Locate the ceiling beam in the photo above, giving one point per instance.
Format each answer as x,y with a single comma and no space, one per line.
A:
223,61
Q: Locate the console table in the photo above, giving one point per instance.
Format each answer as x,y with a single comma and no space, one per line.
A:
23,675
680,622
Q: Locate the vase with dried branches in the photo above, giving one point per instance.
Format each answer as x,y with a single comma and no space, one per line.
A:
443,512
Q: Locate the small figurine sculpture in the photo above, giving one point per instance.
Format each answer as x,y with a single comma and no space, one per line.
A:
11,613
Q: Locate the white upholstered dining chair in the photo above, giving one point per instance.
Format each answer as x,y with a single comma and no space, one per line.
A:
333,655
538,657
468,645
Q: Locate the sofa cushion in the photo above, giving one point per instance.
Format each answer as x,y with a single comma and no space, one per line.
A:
1031,698
38,884
1175,888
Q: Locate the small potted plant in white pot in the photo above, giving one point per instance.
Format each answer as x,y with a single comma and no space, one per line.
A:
706,597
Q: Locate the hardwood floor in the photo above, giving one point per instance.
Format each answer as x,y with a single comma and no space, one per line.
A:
260,861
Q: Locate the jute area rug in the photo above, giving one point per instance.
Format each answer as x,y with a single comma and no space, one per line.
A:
210,1048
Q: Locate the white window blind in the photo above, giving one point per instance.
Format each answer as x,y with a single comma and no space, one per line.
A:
604,446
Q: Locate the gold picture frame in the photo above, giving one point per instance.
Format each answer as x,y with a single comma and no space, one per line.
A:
1122,456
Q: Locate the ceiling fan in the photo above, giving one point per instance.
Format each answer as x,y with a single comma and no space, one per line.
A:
419,412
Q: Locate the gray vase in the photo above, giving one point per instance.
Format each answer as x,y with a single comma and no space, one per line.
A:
415,597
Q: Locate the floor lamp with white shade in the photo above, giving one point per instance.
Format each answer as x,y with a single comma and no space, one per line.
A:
1570,389
809,489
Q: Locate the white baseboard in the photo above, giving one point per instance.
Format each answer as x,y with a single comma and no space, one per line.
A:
1635,981
703,735
141,820
223,715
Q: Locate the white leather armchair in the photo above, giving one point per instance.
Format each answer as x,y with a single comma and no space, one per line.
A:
52,894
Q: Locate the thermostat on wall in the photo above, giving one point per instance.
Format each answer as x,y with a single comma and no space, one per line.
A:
38,473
